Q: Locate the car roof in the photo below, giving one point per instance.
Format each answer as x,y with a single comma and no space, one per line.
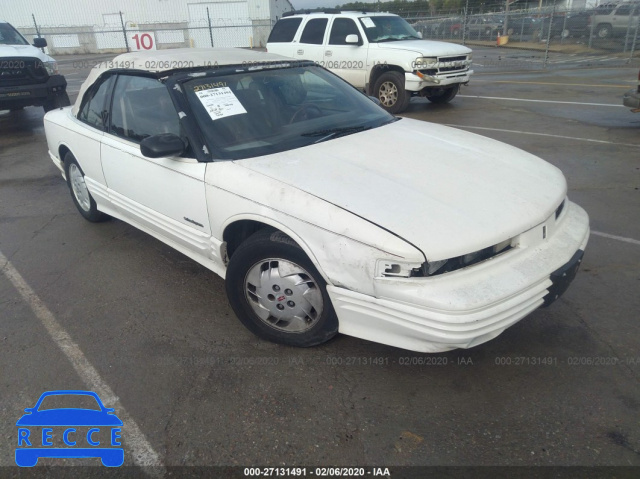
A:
157,61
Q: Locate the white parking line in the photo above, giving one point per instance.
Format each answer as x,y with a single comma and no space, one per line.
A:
142,453
541,101
619,238
519,132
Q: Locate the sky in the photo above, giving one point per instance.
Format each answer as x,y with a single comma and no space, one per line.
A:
302,4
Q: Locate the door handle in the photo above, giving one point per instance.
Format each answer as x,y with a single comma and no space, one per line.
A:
328,53
300,52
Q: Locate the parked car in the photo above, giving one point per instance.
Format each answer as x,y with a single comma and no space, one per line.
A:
617,21
523,25
484,26
379,53
28,76
310,199
631,99
571,24
450,27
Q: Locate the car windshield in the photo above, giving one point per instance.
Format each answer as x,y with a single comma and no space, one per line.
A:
387,29
10,36
266,111
66,401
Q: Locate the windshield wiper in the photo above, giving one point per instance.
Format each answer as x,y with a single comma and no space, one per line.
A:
335,132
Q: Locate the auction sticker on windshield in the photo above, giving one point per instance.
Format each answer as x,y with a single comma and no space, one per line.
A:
220,102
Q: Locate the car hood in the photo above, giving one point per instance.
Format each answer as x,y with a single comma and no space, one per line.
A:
445,191
69,417
428,48
23,51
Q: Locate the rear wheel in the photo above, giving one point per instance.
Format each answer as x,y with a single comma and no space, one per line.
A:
389,89
79,191
277,292
604,31
444,95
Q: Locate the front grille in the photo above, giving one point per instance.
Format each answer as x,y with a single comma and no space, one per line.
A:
17,71
452,64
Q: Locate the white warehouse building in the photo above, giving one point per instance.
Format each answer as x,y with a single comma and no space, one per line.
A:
106,26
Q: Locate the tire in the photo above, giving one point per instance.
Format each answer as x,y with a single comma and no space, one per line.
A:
389,89
59,101
289,305
79,192
603,31
445,95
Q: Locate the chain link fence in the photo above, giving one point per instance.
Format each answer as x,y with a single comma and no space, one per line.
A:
608,29
118,35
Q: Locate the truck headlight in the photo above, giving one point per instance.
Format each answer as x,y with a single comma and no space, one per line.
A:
425,63
51,67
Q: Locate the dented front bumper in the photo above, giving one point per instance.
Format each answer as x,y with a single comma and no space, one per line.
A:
468,307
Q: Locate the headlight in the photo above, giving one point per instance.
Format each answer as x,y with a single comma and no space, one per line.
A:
424,63
51,67
396,269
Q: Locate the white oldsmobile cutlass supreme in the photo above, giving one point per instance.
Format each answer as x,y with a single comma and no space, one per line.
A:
323,212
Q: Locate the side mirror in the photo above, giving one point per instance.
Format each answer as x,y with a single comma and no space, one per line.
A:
162,145
375,100
39,42
352,39
419,34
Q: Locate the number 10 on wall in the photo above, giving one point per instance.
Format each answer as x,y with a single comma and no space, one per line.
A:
141,41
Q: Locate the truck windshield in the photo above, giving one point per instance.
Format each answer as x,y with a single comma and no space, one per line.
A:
387,29
266,111
10,36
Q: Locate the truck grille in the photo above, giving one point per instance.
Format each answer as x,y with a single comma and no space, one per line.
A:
453,64
16,71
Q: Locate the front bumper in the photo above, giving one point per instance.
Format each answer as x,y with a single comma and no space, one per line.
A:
468,307
631,99
32,94
413,82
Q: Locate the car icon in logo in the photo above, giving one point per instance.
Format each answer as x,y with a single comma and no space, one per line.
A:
69,432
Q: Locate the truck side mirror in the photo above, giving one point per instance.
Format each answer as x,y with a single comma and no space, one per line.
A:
39,42
353,39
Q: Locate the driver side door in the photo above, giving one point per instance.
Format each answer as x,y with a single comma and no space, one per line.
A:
163,196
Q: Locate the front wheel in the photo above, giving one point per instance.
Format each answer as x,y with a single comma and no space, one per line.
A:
389,89
79,191
444,95
58,101
277,292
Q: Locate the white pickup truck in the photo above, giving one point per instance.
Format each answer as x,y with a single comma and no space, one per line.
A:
379,53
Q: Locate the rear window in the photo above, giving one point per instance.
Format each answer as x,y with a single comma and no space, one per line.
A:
284,30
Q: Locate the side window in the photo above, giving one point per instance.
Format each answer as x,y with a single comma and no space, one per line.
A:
94,106
340,29
284,30
623,10
142,107
313,32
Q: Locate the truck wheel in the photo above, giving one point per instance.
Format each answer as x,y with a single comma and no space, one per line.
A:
389,89
603,31
444,95
58,101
